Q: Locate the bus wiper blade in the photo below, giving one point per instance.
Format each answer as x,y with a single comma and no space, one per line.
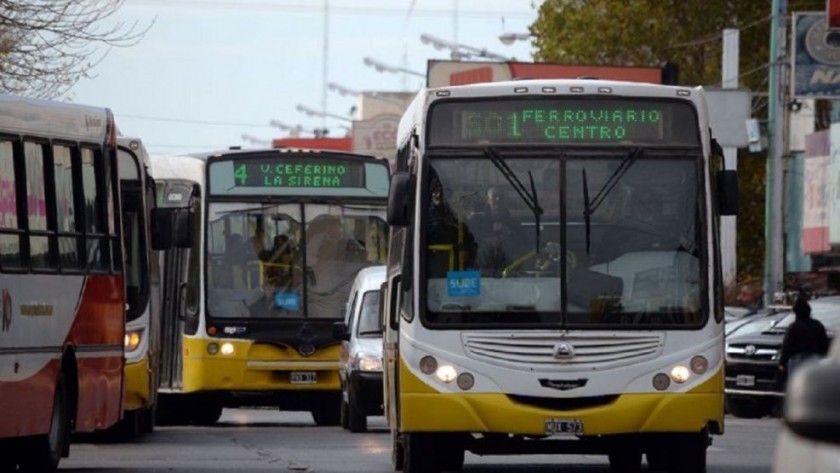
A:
530,198
586,210
616,176
248,209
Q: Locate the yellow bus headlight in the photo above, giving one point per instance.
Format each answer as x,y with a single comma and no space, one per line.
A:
680,374
132,340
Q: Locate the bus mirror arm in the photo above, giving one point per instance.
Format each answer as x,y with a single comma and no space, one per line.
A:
727,192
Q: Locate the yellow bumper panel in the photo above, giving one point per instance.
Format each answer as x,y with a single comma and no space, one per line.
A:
137,385
256,368
424,410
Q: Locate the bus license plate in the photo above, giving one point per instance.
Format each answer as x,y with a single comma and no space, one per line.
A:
563,426
746,380
303,377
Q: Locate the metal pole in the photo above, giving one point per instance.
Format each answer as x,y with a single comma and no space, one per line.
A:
728,227
773,267
326,62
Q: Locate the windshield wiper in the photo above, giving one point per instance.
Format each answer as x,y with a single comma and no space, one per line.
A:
590,207
530,198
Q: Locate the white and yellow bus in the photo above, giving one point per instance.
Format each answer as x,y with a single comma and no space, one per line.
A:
249,311
142,284
585,313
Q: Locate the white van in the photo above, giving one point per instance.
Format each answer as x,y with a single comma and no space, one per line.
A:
361,350
810,439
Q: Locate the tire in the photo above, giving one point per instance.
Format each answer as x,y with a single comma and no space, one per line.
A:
397,452
625,460
327,415
419,454
452,456
356,419
43,452
345,412
126,430
688,453
147,419
207,414
746,408
658,460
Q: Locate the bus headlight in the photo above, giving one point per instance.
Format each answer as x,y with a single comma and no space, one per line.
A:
446,373
212,348
367,362
699,364
227,349
661,381
680,374
466,381
132,340
428,364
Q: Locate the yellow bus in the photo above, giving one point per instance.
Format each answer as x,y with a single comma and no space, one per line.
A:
554,281
279,235
142,281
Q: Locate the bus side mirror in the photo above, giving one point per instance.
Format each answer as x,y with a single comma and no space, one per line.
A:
399,199
340,331
161,228
727,192
812,404
184,224
394,303
383,291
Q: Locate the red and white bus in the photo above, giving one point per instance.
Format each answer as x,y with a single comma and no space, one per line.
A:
61,279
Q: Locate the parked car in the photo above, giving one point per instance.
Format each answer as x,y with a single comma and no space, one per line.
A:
810,436
754,385
361,351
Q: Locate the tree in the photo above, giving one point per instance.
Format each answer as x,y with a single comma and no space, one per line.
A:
46,46
688,34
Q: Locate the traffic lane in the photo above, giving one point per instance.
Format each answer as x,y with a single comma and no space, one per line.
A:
261,440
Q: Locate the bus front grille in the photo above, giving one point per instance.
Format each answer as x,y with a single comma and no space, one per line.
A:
547,350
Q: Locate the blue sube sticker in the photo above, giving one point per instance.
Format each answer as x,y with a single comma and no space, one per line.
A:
463,283
287,300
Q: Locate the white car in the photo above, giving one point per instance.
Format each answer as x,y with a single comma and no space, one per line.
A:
361,350
810,439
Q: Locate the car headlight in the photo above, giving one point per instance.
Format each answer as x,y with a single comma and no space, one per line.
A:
132,340
368,362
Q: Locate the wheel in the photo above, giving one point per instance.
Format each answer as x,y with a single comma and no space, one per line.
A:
126,430
344,414
147,419
327,415
356,419
43,452
419,454
451,457
688,453
625,460
397,452
207,414
657,459
745,408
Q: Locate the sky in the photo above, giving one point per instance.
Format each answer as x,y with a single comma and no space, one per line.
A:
208,72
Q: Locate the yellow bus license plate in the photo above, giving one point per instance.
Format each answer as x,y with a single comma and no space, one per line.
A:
303,377
563,426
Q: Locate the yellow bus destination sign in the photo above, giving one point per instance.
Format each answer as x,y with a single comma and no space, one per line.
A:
298,172
564,121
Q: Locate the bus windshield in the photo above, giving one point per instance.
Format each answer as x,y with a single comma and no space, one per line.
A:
578,239
289,260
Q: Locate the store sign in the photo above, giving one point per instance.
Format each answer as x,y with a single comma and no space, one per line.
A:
816,57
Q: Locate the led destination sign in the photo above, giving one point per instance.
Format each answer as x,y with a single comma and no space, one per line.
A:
563,121
298,172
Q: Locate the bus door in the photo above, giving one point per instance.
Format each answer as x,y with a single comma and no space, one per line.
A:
179,314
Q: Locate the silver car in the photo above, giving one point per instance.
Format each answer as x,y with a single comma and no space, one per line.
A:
361,351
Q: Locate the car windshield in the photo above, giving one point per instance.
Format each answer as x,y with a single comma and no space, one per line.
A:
826,311
369,315
288,260
504,231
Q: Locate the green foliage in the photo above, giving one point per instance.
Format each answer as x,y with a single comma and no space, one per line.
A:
688,33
